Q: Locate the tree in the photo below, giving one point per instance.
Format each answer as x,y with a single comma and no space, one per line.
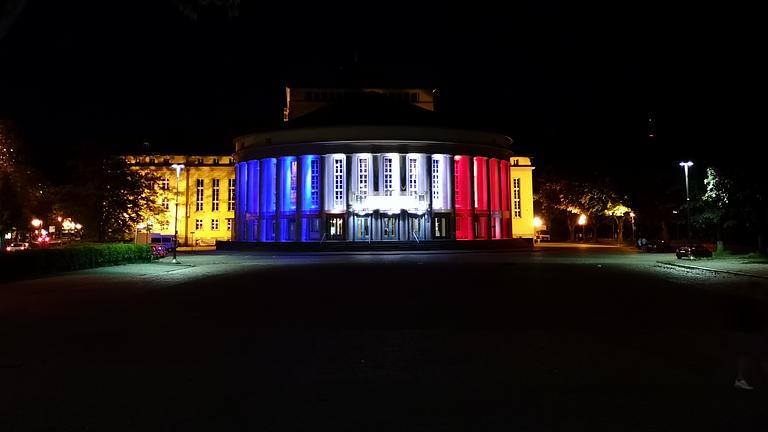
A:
561,198
111,199
619,212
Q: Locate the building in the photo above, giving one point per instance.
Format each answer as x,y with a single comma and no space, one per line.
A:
206,191
375,166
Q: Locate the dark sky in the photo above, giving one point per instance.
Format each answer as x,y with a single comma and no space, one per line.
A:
573,85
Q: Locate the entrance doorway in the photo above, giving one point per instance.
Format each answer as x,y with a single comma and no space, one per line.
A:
335,228
389,227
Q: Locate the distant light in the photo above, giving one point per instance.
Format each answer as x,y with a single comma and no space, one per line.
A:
650,135
536,222
674,211
632,214
689,164
582,220
36,222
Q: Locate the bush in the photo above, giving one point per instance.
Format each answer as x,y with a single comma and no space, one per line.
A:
35,262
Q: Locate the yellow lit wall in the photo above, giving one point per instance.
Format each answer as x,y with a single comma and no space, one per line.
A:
520,168
206,168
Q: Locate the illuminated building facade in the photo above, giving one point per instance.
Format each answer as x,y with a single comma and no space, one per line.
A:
381,183
206,196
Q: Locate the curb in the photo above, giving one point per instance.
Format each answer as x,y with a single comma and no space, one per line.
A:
710,269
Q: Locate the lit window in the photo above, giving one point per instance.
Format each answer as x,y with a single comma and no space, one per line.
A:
516,197
362,173
165,203
229,224
315,183
198,224
165,184
338,182
231,202
293,183
199,195
412,177
435,179
387,176
215,196
214,224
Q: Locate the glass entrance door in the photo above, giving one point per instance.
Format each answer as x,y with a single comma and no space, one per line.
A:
363,228
389,228
335,228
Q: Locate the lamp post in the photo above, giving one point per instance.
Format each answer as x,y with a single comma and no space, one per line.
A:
536,226
178,168
632,216
583,222
685,166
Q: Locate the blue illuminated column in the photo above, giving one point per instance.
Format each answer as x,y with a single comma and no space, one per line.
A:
288,194
267,199
241,177
251,200
309,205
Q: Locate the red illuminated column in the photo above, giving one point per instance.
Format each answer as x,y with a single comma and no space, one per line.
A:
462,189
506,219
493,181
482,215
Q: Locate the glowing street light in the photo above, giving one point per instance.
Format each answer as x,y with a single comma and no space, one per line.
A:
685,166
178,168
536,226
36,223
583,222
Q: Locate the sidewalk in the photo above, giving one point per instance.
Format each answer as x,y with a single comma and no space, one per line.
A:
732,264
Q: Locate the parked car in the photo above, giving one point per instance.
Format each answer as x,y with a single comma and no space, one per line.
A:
158,251
658,246
13,247
693,251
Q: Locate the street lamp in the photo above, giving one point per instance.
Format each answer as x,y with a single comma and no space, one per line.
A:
583,222
178,168
685,166
537,225
632,216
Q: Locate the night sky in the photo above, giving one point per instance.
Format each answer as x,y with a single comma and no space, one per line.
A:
573,85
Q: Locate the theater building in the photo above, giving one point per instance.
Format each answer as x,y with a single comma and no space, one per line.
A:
362,175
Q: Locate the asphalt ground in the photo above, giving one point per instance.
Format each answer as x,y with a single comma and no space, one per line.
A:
556,338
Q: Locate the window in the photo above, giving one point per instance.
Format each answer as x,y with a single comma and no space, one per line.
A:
215,161
293,183
516,197
165,203
231,197
315,183
338,182
199,161
151,160
435,179
457,185
215,196
198,224
199,195
413,185
440,226
362,176
166,160
164,225
214,224
229,224
387,176
165,184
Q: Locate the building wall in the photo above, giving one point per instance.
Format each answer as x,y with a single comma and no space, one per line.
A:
520,169
205,168
387,196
